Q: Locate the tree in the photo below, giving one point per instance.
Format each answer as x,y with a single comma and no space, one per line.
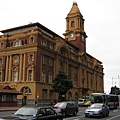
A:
61,85
115,90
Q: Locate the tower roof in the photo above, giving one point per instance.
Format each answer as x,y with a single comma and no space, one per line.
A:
74,9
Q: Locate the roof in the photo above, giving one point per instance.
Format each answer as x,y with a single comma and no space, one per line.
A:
7,89
37,24
29,25
74,8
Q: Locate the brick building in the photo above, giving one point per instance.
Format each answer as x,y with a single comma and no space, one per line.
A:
31,56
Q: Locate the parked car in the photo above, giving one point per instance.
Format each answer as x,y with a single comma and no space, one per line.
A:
97,109
81,101
34,113
66,108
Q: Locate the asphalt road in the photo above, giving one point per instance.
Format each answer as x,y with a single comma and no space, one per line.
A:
113,115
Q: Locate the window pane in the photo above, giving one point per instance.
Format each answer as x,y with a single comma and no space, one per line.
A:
15,75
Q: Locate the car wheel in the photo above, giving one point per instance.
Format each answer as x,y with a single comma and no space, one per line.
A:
75,113
86,115
60,119
101,115
107,113
64,114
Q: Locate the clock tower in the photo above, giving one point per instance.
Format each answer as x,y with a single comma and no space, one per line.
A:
75,33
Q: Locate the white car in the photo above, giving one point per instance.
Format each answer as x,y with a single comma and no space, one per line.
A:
81,101
97,109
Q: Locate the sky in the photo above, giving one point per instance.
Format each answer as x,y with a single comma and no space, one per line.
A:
102,26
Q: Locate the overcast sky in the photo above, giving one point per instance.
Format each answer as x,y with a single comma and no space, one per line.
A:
102,26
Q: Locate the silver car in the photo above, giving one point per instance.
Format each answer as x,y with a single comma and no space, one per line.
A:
66,108
97,109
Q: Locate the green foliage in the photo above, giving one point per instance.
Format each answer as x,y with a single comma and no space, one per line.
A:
62,84
115,90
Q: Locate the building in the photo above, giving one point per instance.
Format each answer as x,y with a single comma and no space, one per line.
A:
31,56
8,96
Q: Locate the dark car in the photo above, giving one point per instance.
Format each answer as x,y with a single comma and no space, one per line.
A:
97,109
66,108
34,113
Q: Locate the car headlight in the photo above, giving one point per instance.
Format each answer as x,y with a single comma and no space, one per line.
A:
58,110
96,112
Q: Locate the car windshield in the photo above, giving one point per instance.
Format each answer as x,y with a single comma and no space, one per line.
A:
62,104
96,106
26,111
81,100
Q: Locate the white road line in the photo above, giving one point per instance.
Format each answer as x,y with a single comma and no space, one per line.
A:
74,118
113,117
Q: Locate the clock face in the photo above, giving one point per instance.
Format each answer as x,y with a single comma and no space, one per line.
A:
71,35
16,59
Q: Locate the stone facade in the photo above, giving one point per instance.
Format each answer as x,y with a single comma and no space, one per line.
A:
31,56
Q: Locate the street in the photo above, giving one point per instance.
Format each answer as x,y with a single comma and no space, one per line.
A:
113,115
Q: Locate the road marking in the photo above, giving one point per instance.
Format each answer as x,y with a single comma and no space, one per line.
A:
74,118
113,117
115,110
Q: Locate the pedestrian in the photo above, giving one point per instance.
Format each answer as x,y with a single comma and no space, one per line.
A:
51,102
35,102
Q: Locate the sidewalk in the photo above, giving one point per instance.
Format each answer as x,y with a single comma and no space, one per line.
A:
9,108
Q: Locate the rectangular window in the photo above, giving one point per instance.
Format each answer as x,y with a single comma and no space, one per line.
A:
9,97
82,72
51,46
50,94
75,71
50,62
31,58
43,76
50,77
43,59
30,75
44,42
72,24
44,94
75,83
15,76
69,68
60,65
0,61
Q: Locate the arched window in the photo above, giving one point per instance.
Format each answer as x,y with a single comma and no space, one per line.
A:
17,43
2,45
69,96
76,96
31,57
25,90
32,39
72,24
15,74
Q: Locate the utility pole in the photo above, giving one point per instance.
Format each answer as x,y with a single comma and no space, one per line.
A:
115,81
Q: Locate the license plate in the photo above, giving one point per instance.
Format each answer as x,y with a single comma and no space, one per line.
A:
90,113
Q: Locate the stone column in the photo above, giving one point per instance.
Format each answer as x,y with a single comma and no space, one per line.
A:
33,73
6,73
24,71
10,67
20,68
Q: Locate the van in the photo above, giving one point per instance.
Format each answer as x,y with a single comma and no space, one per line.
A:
81,101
